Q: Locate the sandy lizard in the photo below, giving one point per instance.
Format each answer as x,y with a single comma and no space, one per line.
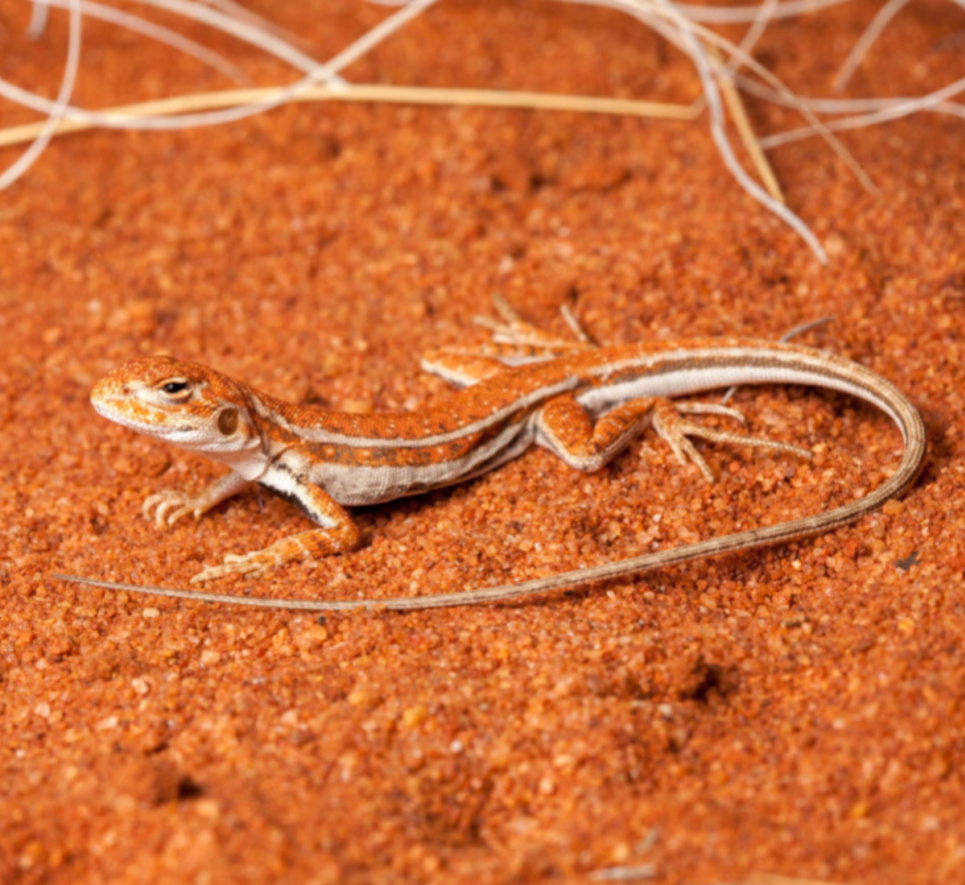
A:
585,404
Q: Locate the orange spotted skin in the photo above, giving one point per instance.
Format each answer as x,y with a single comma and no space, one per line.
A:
584,404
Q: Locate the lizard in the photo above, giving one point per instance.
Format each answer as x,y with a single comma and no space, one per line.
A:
583,403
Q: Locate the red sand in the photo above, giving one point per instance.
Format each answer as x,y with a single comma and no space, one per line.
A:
795,712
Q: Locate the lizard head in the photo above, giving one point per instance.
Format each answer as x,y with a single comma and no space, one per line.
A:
184,403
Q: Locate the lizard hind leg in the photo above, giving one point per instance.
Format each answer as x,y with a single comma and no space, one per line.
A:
565,428
671,426
515,343
460,368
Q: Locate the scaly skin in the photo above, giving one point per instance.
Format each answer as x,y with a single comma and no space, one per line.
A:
585,404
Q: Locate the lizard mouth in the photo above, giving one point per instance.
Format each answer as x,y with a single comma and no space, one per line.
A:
120,413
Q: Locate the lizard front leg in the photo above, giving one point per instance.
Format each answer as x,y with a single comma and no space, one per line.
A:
337,533
170,505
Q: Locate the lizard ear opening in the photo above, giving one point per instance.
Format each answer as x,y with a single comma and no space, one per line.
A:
228,421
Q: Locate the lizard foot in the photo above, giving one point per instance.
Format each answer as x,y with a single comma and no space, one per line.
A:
169,506
304,545
513,330
251,564
670,425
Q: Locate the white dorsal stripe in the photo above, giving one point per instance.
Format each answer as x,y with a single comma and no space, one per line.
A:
681,382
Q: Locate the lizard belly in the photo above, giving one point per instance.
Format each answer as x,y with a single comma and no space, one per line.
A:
356,485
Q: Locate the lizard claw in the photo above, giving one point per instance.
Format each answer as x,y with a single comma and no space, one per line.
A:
169,506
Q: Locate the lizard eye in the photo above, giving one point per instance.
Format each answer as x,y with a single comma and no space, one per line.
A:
177,390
